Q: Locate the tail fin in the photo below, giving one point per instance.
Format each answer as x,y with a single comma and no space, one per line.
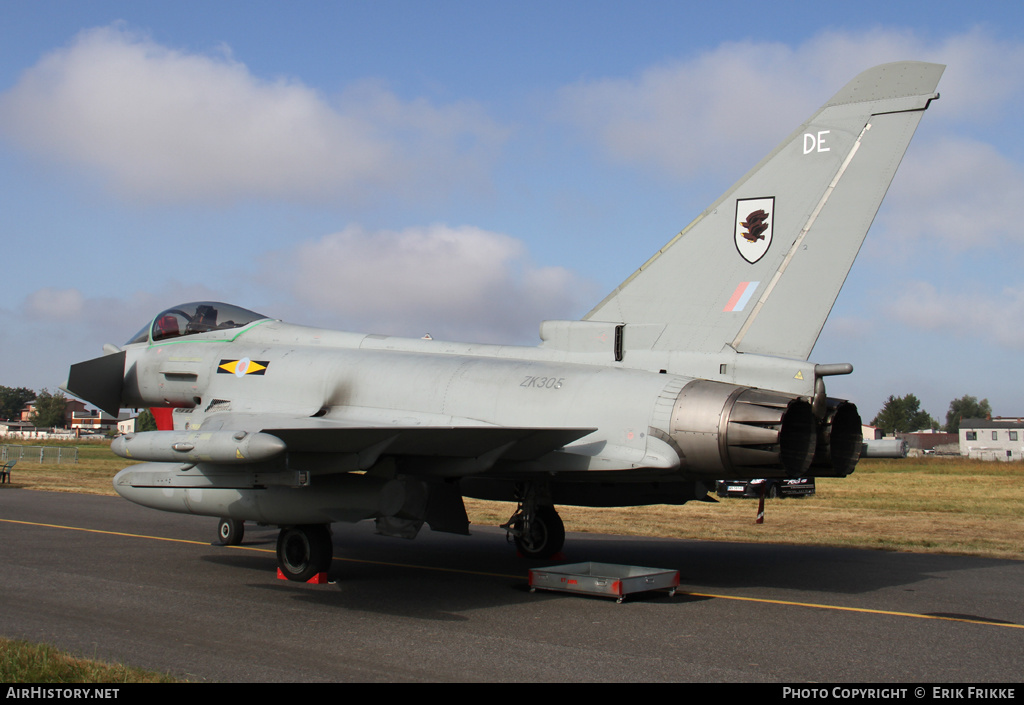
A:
761,268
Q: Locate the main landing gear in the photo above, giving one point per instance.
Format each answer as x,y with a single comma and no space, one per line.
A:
304,551
536,528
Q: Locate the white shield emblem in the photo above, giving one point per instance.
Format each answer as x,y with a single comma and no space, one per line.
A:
754,220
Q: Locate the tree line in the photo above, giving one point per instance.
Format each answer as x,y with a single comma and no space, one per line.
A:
905,415
898,414
49,408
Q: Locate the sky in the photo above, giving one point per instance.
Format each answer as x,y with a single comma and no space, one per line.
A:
469,169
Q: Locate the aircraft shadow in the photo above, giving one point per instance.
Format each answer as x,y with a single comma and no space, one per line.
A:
440,577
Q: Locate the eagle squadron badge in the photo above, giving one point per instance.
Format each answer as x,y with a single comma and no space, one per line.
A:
753,233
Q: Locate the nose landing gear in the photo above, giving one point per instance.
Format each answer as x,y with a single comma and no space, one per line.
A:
535,527
230,532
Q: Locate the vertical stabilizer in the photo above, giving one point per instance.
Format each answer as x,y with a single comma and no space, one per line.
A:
761,268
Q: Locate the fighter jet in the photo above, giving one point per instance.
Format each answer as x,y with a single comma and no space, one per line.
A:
694,369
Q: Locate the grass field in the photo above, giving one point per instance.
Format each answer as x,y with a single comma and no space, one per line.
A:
24,662
942,505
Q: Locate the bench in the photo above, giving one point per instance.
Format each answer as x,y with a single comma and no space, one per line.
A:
5,471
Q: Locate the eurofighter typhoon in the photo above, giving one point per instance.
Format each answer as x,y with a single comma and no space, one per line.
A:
694,369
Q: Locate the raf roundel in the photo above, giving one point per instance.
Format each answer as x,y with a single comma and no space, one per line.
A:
243,367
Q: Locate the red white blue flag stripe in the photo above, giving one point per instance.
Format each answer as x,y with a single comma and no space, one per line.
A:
741,296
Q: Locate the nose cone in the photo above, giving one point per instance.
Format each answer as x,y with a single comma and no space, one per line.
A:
99,381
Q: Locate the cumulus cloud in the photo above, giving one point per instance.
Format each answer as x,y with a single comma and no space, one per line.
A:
984,78
460,283
106,318
168,125
685,117
980,315
956,194
55,304
456,283
53,328
716,114
723,109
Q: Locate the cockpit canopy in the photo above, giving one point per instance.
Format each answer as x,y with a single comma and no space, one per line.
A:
196,317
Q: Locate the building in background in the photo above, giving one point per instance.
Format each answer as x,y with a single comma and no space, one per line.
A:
992,439
71,407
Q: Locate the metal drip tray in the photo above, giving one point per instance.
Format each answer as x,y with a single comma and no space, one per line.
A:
603,579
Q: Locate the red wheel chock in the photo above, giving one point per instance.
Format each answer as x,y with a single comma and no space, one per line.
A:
318,579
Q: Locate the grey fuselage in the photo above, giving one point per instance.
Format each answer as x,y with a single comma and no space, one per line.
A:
643,425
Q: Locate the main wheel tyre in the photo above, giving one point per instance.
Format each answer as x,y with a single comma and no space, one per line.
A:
546,537
230,532
304,551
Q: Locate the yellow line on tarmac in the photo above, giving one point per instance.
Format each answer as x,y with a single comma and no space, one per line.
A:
865,610
261,550
101,531
761,600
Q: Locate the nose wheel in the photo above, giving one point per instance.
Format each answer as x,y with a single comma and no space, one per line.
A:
304,551
230,532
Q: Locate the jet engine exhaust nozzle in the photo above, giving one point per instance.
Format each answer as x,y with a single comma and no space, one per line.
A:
839,440
728,431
